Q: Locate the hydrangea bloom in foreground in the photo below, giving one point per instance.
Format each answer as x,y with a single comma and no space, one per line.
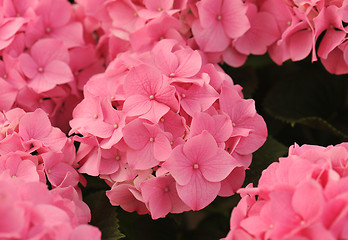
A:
28,210
303,196
166,123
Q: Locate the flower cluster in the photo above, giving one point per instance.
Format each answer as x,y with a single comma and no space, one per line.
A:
167,130
303,196
33,150
45,58
30,211
286,29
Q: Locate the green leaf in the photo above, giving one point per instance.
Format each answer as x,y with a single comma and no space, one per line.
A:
308,98
104,215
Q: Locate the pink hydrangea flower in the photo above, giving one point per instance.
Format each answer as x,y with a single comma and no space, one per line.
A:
30,210
300,197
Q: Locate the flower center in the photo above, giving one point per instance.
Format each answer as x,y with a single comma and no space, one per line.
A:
219,18
195,166
40,69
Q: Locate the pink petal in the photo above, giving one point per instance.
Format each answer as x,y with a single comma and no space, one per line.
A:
155,192
156,111
71,34
263,32
234,19
85,232
137,105
143,80
142,159
179,166
233,182
300,44
35,125
8,95
200,149
190,63
211,39
136,135
198,193
55,13
162,147
330,41
208,11
28,65
47,50
308,200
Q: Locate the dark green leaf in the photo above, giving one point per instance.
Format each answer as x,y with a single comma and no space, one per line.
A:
104,215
